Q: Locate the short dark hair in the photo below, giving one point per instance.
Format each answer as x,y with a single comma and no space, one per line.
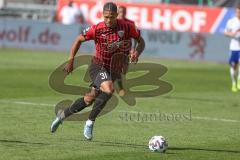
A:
238,6
110,6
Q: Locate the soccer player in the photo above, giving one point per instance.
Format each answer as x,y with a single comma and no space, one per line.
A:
232,30
110,37
122,10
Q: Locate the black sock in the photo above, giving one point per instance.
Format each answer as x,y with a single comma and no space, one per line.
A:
77,106
99,104
120,85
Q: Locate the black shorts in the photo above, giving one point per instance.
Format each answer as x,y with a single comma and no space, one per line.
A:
99,74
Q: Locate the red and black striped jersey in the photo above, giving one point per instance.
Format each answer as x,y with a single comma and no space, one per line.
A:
112,44
129,21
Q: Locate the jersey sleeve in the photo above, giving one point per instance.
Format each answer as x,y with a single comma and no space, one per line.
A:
89,33
228,27
134,32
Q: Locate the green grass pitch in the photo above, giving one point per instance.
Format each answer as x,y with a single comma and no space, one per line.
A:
27,110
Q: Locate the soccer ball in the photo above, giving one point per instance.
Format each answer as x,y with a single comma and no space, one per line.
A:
158,144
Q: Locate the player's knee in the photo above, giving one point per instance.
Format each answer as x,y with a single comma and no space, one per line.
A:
234,66
107,87
88,99
108,90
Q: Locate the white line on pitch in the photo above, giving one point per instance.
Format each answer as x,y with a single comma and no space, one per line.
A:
216,119
26,103
45,104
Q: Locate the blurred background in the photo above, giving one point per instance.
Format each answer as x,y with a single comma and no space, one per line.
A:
179,29
186,36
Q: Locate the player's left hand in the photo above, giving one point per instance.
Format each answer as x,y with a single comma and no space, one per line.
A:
134,56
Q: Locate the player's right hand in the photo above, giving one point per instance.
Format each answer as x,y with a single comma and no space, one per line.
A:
69,67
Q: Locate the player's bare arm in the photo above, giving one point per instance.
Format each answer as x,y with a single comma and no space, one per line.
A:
230,34
74,49
140,47
233,35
